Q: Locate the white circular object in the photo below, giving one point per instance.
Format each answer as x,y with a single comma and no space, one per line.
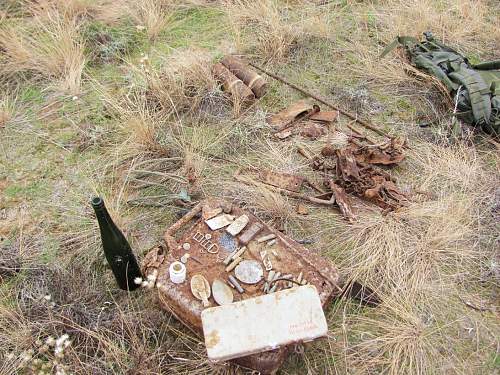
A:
208,236
185,258
249,271
186,246
177,272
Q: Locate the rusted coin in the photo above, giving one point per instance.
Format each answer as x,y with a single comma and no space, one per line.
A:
249,271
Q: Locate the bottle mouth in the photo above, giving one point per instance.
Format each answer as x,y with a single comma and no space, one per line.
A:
97,202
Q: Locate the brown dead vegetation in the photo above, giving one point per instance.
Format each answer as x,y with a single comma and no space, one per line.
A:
174,133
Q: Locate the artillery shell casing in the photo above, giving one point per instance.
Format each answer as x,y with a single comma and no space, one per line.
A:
232,84
244,72
233,265
235,283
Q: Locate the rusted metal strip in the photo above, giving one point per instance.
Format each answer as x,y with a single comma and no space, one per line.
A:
364,123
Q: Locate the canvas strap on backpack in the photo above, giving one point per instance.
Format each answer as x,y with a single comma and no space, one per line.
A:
476,88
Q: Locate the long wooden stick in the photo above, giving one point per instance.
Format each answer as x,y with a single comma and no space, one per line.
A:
321,100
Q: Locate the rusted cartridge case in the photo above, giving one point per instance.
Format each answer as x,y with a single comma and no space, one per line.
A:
232,84
249,77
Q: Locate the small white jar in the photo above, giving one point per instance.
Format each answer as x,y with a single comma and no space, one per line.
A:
177,272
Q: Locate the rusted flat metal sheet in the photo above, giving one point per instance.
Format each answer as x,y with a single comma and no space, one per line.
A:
282,180
292,258
290,114
325,116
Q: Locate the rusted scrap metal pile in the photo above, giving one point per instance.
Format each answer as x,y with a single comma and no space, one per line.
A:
261,280
354,170
351,170
233,259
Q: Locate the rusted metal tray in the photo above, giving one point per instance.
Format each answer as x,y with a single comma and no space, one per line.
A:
292,258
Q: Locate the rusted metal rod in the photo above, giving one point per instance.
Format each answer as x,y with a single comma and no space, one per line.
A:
321,100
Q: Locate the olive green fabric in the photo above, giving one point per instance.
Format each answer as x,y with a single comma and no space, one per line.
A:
476,88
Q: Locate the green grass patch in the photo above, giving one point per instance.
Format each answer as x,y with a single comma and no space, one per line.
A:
200,27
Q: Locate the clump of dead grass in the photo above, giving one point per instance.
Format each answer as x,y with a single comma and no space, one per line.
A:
182,82
50,49
467,24
153,15
274,34
413,258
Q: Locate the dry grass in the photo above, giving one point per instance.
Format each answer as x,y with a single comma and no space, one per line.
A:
275,34
182,83
49,48
168,131
153,15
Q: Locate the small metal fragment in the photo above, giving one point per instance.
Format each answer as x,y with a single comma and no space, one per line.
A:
273,288
275,253
212,248
185,258
249,272
239,253
265,238
267,264
235,283
282,180
210,212
220,221
198,236
233,264
271,243
265,259
266,287
227,207
270,276
299,278
250,233
304,282
195,259
186,246
237,225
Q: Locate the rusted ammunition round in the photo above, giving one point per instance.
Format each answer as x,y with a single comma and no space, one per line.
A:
235,283
249,77
232,84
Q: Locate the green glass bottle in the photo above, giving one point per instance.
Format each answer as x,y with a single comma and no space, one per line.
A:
116,248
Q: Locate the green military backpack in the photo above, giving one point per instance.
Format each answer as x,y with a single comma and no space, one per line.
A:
475,88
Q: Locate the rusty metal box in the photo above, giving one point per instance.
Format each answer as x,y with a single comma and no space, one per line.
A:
291,258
